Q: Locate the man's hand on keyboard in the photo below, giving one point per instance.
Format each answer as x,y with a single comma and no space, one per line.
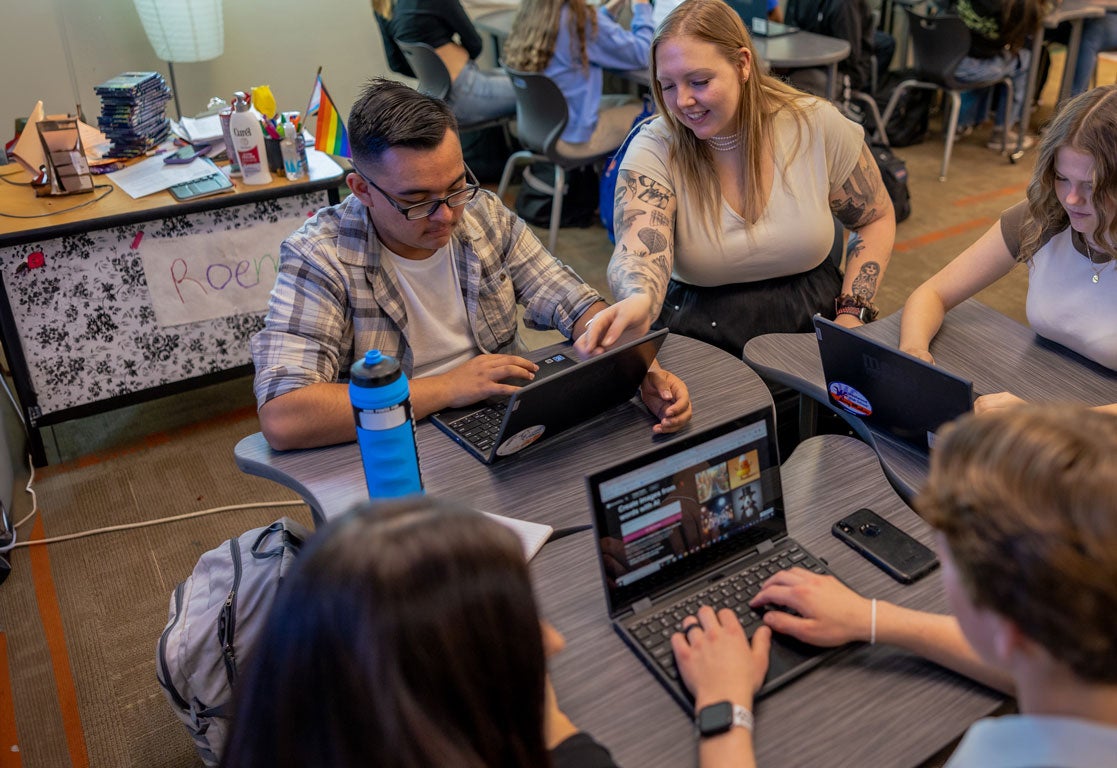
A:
830,613
474,380
716,660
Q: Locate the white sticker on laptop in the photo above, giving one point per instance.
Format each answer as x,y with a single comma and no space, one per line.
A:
850,399
520,440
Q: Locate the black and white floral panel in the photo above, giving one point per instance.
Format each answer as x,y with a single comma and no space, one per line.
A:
85,316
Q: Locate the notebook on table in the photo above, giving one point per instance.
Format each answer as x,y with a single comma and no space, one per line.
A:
890,390
565,392
755,15
699,521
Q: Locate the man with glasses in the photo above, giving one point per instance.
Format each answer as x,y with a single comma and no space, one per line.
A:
422,264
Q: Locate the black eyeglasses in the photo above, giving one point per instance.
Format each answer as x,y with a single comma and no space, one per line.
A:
428,207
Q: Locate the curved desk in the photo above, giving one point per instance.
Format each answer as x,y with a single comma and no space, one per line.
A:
867,707
545,483
978,343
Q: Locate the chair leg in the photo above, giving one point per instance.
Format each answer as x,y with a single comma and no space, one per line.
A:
556,206
506,175
952,126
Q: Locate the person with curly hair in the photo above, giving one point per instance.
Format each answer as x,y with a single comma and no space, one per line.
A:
1066,234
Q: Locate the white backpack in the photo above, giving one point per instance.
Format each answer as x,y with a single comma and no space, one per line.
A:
215,618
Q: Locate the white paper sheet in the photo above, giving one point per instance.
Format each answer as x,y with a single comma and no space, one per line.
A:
532,535
153,175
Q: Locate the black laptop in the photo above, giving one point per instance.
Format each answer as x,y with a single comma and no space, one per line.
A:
755,15
565,392
889,390
699,521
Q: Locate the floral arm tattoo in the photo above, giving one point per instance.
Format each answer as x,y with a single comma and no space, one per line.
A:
862,200
645,215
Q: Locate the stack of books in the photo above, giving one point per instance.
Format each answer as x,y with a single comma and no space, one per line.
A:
134,112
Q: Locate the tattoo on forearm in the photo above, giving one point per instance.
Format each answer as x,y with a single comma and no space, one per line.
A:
640,272
865,284
653,238
860,202
642,260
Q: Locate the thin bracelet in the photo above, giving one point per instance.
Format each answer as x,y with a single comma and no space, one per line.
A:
873,625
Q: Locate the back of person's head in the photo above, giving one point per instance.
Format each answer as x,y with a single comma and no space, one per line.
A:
531,44
405,637
389,114
1087,124
1025,499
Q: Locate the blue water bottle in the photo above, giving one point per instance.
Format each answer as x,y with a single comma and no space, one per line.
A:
385,430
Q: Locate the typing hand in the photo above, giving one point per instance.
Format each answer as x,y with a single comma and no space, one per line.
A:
830,613
606,327
481,377
717,662
667,397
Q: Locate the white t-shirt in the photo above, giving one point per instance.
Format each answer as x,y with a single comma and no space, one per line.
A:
796,231
1064,304
437,325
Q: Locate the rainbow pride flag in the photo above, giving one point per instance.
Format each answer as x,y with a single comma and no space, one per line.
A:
329,130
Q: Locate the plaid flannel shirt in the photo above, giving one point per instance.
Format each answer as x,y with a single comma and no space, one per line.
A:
333,300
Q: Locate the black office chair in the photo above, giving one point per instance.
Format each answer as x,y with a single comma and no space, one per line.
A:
940,42
541,117
434,80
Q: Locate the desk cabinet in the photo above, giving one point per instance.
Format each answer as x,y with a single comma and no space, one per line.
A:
79,326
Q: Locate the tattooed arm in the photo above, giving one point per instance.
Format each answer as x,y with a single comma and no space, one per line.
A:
642,259
863,206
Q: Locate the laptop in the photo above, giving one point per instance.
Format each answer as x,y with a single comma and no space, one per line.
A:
565,392
755,15
699,521
889,390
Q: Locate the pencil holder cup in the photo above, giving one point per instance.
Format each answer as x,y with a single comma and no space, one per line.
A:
275,155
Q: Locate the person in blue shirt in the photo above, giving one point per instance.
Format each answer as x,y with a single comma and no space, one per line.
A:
573,43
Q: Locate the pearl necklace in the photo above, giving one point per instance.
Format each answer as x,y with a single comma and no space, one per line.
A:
724,143
1094,265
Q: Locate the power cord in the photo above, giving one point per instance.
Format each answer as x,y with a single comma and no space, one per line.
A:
108,191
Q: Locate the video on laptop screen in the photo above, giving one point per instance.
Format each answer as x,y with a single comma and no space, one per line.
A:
681,511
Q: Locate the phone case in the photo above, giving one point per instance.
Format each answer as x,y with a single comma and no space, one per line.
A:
886,546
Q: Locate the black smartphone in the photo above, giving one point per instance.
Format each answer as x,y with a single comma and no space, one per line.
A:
886,546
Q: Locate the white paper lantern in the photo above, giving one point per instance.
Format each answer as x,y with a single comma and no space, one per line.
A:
183,30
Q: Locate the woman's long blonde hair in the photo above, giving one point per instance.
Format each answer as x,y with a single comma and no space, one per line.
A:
531,44
761,98
1086,124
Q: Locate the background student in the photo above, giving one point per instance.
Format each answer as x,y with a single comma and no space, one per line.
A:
1066,234
726,202
1027,534
572,43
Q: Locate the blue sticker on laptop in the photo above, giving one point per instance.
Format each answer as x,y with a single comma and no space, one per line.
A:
850,399
520,440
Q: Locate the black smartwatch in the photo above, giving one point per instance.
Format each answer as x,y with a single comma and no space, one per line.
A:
715,719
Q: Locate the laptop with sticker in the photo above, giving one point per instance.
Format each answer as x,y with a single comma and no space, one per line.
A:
889,390
565,392
699,521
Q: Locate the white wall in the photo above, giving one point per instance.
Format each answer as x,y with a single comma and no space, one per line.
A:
280,43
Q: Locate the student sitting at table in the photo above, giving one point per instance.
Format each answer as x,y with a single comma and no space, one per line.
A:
1027,533
406,636
573,43
422,264
725,204
475,95
1066,234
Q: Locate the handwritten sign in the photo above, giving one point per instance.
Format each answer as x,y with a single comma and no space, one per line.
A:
217,274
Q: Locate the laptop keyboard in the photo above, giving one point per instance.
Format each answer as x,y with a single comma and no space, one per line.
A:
480,428
734,592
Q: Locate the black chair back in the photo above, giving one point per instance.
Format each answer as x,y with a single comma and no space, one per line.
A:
434,78
541,113
940,42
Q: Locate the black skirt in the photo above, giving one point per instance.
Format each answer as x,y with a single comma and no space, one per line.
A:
729,315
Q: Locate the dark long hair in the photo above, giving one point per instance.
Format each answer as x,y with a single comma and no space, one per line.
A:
406,637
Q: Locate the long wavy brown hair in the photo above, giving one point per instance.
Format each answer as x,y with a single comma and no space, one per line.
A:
531,44
1087,124
762,97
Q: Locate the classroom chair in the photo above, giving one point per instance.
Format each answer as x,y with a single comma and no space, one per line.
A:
940,42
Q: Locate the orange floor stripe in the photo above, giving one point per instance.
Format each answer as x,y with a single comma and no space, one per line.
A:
51,617
1017,191
8,736
942,234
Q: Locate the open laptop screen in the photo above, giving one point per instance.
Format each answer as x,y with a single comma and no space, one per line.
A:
687,507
